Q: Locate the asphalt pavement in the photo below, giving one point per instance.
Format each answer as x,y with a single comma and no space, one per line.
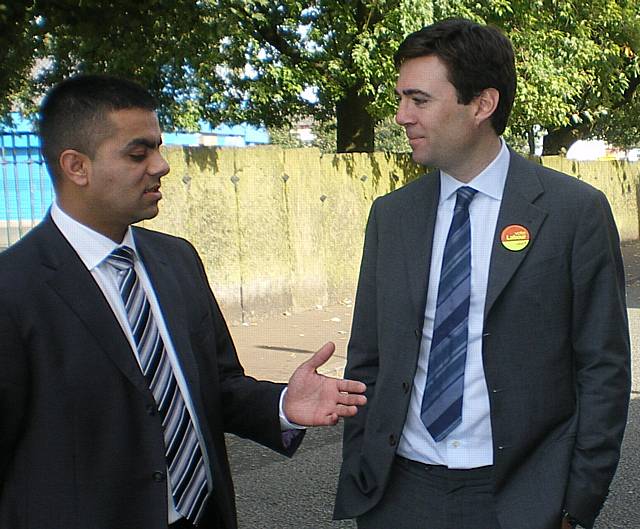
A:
274,492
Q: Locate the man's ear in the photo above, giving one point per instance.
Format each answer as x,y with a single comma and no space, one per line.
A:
486,104
75,166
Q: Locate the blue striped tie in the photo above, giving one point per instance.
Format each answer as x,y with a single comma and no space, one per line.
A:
184,456
442,401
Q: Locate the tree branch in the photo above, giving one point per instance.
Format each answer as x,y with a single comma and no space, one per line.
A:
272,36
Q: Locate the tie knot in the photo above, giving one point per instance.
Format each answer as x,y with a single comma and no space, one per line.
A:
121,258
465,196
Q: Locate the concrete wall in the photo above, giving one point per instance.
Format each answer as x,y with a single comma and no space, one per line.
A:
283,229
620,181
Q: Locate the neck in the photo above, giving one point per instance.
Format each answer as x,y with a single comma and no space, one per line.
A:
115,233
476,159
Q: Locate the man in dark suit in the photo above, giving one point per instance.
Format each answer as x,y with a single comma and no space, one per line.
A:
118,376
490,323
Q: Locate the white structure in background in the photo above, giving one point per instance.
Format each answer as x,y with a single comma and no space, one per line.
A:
587,150
304,130
600,150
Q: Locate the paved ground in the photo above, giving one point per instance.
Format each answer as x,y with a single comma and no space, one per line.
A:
276,493
274,347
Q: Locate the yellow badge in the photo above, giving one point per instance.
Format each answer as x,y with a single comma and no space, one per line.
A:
515,237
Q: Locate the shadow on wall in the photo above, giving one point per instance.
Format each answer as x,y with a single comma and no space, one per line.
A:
404,169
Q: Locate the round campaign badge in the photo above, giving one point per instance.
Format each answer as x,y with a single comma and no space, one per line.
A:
515,237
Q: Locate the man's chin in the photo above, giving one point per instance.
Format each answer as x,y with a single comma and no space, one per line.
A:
149,213
419,158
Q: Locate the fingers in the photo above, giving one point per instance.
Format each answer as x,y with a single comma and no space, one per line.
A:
351,386
340,411
351,400
321,355
346,411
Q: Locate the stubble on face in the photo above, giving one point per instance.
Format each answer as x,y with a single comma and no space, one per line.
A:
430,112
126,173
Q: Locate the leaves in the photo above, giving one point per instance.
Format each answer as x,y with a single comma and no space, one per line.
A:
220,61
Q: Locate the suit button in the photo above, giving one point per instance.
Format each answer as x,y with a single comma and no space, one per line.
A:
418,333
405,387
158,476
151,409
393,440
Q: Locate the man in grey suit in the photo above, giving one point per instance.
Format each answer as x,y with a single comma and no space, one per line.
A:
490,321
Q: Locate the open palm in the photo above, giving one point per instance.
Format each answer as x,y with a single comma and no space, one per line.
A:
317,400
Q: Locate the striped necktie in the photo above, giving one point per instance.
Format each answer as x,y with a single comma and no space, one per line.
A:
185,463
441,409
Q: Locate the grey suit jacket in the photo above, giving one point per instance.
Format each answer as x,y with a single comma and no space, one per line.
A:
555,346
81,442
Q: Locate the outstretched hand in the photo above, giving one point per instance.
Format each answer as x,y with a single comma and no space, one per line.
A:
316,400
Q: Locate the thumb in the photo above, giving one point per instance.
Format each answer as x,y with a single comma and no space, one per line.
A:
321,355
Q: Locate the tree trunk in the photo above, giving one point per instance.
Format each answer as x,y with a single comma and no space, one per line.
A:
355,127
558,141
531,141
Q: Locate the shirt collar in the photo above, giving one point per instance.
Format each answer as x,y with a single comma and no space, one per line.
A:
92,247
489,182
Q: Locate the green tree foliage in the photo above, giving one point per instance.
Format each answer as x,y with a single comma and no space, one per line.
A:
273,51
228,60
578,66
251,60
390,137
18,40
154,41
323,132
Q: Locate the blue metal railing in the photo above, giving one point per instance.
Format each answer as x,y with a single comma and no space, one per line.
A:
26,190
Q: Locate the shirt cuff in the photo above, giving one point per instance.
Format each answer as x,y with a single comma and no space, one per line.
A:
285,424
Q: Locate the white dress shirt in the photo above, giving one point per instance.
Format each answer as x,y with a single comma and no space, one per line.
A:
470,444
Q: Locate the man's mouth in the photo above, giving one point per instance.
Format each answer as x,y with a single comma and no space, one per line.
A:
153,192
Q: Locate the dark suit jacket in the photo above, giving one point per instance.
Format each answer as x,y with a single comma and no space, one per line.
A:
81,443
555,346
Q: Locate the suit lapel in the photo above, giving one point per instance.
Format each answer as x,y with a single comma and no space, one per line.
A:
171,299
418,224
521,189
68,277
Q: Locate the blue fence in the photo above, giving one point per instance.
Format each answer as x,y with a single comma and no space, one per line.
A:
26,191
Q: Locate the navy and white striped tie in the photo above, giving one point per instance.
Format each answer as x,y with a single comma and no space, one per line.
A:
441,409
187,472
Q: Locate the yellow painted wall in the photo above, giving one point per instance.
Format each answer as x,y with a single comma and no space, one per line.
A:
619,181
283,229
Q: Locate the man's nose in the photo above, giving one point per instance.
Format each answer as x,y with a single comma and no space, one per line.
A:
159,166
403,115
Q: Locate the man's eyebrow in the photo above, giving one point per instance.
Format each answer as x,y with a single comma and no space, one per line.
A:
145,142
413,92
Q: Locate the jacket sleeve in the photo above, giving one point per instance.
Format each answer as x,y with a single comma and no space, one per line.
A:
600,339
250,407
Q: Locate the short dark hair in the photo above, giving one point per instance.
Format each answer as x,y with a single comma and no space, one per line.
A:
476,56
73,114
